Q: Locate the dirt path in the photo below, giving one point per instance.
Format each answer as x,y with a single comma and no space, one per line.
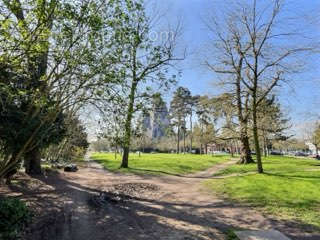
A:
181,209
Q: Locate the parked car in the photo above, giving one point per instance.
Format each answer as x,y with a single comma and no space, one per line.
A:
301,154
276,153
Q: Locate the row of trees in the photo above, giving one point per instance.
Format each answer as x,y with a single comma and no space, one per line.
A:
217,121
251,55
58,56
196,122
45,71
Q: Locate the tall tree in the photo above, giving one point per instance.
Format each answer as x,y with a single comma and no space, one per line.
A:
143,62
228,50
255,58
205,114
266,59
272,123
48,66
180,109
226,110
205,135
316,139
192,105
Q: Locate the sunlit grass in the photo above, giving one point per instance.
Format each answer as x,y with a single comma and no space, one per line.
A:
160,163
290,187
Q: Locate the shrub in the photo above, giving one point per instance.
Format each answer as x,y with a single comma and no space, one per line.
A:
14,215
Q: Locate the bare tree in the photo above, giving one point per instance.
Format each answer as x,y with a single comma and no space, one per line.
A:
257,55
267,61
229,52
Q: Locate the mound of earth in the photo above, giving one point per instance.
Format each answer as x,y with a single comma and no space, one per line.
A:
121,193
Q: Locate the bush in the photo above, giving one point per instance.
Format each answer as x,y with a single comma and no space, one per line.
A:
14,215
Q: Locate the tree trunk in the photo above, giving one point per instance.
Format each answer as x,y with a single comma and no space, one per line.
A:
125,158
184,141
245,152
191,133
256,138
231,150
178,141
127,137
32,161
201,140
7,175
265,144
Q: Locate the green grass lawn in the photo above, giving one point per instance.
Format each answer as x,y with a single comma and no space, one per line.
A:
160,163
290,187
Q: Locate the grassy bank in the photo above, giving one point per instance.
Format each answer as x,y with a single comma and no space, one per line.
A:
160,163
290,187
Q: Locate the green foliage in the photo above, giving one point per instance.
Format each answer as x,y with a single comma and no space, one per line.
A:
179,106
204,134
143,65
160,163
50,55
73,146
289,188
315,138
14,216
16,126
231,235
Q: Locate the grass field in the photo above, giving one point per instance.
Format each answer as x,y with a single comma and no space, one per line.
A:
290,187
160,163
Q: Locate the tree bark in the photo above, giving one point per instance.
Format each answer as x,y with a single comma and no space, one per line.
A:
127,138
265,145
242,111
256,137
178,141
33,162
7,175
191,133
125,158
201,140
184,141
231,149
245,152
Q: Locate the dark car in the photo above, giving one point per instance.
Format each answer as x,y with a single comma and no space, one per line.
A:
301,154
276,153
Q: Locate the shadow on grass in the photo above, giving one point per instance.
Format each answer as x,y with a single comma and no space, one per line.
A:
151,172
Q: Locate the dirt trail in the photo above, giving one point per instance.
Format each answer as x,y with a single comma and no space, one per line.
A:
182,209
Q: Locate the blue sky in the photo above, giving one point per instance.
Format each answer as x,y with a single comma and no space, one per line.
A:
303,94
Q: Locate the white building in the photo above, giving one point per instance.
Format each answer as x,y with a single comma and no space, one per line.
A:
312,148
